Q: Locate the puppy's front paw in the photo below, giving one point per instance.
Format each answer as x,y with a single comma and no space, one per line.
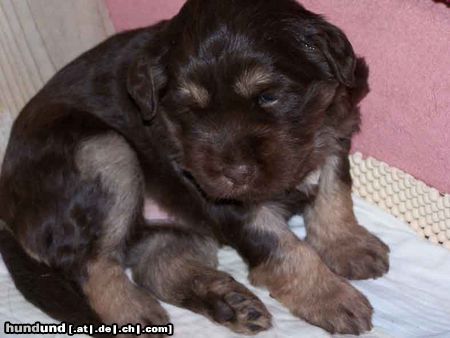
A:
303,283
356,254
337,307
231,304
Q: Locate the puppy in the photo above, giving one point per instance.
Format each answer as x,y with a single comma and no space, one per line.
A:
230,117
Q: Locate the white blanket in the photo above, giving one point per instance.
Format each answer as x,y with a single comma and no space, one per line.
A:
412,300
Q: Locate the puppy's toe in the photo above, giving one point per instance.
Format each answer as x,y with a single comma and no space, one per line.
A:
231,304
251,315
353,314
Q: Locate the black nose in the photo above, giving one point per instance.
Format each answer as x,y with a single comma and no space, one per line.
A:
239,174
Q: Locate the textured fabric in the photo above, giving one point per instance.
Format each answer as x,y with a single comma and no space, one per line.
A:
412,300
422,207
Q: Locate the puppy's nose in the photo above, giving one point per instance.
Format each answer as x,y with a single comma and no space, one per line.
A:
238,174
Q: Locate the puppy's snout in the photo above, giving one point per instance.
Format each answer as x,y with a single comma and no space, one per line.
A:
239,174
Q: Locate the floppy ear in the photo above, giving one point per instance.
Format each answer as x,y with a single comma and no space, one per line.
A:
319,96
144,81
323,42
337,50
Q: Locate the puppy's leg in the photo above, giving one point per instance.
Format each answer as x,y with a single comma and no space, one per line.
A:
112,295
296,276
78,201
347,248
116,299
179,267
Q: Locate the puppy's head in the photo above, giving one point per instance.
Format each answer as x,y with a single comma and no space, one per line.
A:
244,88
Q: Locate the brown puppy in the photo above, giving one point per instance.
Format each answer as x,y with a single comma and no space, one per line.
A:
230,117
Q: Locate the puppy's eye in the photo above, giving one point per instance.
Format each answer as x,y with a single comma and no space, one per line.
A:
265,100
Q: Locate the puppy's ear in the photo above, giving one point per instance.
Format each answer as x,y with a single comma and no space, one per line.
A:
145,80
361,87
337,50
319,96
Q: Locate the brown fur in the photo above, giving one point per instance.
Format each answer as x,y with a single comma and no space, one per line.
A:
297,277
224,116
111,294
116,299
111,159
346,247
179,267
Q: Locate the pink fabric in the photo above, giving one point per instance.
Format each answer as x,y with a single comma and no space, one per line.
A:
406,120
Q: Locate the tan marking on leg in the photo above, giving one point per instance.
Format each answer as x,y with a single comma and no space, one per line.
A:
347,248
181,269
166,261
291,255
333,205
296,276
108,289
111,158
116,299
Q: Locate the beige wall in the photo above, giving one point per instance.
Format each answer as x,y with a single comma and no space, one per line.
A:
38,37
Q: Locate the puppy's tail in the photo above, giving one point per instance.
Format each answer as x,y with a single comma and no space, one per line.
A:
43,286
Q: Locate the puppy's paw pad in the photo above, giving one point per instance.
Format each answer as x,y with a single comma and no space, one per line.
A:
238,309
251,315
